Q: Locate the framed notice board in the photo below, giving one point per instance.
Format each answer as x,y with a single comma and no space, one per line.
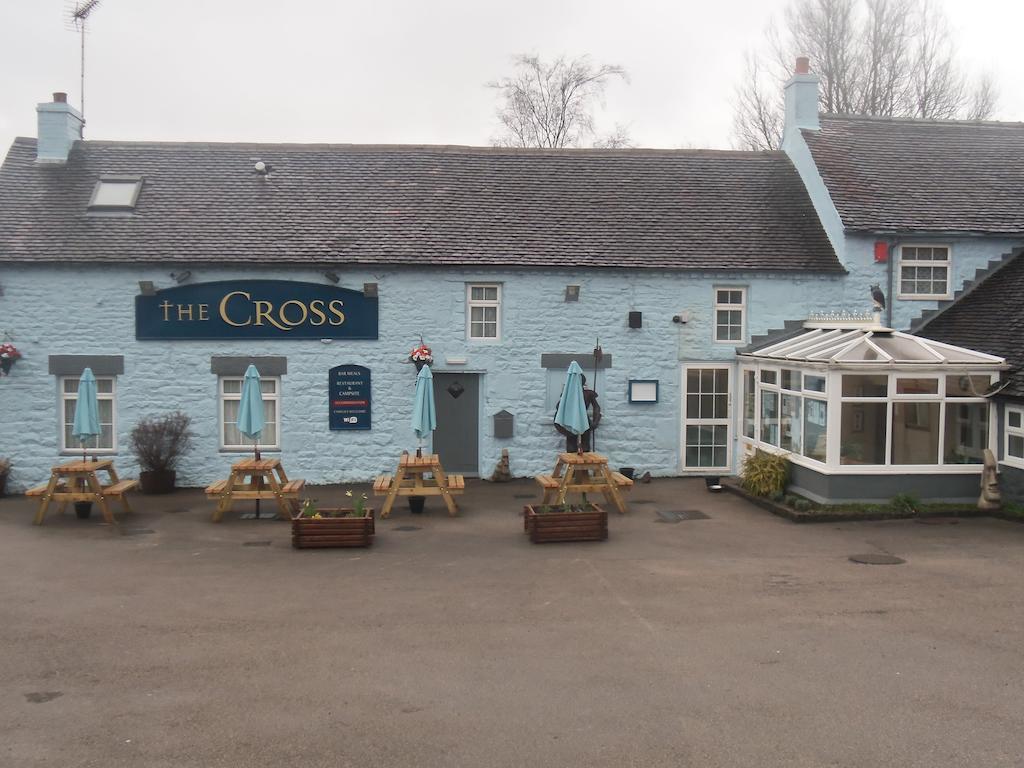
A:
348,397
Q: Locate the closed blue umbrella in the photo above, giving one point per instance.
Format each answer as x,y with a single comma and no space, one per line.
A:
87,410
424,418
572,409
250,413
250,409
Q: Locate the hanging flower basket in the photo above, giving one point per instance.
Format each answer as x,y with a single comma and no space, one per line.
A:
9,355
421,355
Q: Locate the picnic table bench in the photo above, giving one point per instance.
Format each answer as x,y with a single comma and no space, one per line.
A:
586,472
256,479
411,480
79,481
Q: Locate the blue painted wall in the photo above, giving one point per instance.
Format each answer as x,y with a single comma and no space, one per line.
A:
89,310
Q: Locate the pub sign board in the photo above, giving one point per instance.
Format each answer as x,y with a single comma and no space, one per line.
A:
348,395
255,309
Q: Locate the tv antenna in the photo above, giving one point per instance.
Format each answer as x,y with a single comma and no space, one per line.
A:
78,15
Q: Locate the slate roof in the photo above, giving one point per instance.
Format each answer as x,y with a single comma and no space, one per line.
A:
427,205
922,175
989,318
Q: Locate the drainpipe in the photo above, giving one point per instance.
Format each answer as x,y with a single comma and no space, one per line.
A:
889,280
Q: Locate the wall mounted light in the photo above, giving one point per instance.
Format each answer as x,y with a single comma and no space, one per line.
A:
332,276
146,288
181,277
370,290
572,293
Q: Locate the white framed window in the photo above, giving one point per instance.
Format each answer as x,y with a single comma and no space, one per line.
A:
730,315
483,312
924,272
106,394
230,399
1013,449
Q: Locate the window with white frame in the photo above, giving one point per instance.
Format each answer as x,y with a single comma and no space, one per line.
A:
924,272
483,315
730,315
230,388
1014,448
106,397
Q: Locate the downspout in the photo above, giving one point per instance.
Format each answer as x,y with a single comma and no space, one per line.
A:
889,281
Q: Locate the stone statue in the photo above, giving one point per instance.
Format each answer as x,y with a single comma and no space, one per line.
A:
583,442
990,497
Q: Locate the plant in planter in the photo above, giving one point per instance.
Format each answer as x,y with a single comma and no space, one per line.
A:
566,522
159,442
320,527
421,355
9,355
5,470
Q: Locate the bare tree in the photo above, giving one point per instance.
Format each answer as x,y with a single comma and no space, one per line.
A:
892,58
552,104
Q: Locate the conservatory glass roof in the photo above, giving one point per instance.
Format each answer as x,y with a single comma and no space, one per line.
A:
870,347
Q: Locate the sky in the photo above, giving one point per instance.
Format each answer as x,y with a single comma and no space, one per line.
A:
406,71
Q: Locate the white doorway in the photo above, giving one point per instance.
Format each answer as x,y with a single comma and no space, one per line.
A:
707,418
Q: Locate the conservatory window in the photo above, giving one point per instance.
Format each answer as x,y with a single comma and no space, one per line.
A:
917,386
770,417
1015,436
966,435
862,433
790,423
872,385
915,433
814,383
815,428
749,404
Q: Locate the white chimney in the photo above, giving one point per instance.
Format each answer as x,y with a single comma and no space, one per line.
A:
802,98
60,126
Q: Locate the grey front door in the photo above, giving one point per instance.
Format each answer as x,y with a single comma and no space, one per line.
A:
457,437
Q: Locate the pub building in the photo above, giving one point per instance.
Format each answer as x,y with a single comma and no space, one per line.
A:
169,268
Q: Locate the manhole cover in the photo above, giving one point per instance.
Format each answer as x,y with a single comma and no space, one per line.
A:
937,520
641,501
407,528
524,496
668,517
255,543
692,514
873,559
679,515
137,531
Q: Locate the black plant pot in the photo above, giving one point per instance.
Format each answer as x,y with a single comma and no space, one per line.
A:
713,484
83,509
627,471
157,481
416,504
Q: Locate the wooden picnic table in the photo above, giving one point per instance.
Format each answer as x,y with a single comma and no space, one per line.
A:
411,480
586,472
256,479
79,481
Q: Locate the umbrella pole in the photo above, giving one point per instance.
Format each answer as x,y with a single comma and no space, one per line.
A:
259,478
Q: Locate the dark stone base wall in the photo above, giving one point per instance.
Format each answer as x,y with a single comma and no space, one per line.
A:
1011,484
831,489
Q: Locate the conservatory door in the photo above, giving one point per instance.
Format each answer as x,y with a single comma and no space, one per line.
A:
707,424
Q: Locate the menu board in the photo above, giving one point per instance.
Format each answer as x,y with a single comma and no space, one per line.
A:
348,395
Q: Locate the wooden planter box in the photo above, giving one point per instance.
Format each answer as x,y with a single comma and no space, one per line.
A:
588,525
312,533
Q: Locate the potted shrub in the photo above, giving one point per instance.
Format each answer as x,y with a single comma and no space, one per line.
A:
566,522
320,527
5,470
158,443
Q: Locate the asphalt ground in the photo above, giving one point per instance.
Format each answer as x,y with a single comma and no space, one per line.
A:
737,640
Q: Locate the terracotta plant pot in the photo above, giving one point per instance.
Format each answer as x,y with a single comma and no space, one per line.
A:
157,481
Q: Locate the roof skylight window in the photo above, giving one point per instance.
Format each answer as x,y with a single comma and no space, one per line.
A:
116,193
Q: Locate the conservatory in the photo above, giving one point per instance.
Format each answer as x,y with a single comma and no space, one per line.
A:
865,412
